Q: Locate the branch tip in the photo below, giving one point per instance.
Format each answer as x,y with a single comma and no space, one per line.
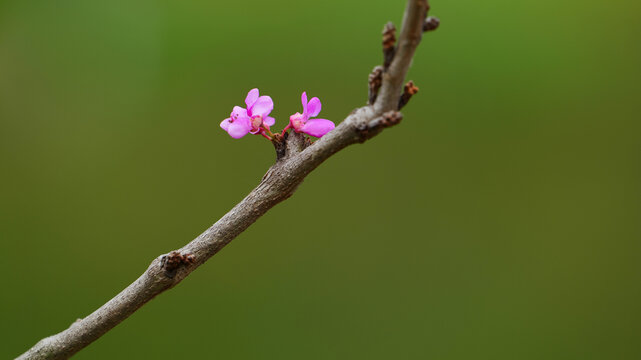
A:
408,91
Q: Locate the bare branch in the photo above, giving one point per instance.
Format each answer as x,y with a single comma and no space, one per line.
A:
296,158
410,37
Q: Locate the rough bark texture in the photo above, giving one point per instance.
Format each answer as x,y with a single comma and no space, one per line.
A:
296,158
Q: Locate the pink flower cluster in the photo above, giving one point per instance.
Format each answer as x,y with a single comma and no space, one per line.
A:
255,118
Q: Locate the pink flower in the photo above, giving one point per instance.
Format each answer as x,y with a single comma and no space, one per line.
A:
253,120
302,122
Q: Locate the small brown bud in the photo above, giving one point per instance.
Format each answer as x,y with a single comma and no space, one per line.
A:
409,90
389,40
173,260
374,81
431,23
389,35
391,118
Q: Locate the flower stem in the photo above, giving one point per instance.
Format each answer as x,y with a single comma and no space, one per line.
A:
266,129
266,137
289,126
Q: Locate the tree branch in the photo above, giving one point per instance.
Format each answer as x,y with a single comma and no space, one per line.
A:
296,158
411,34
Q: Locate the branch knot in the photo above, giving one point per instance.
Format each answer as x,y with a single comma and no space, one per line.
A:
289,144
391,118
172,261
369,130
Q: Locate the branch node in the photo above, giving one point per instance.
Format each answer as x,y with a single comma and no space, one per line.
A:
391,118
290,144
389,40
172,261
431,23
409,90
369,130
375,80
280,145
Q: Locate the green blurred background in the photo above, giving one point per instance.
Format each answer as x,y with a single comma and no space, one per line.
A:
500,220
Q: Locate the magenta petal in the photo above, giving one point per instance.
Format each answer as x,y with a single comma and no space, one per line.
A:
238,112
252,95
317,127
303,99
225,124
239,128
314,107
269,121
263,106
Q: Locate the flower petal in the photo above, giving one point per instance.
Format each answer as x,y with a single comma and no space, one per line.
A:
225,124
239,128
238,112
314,107
303,99
269,121
252,95
263,106
317,127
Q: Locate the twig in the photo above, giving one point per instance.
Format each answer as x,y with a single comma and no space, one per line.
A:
295,159
408,91
410,37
